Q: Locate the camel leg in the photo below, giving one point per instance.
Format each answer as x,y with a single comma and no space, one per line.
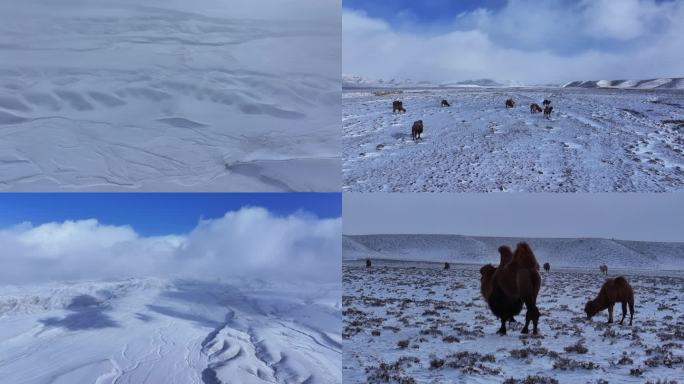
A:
631,312
610,312
535,321
532,314
502,330
624,312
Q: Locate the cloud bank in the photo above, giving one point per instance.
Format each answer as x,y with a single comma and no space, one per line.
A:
250,242
526,41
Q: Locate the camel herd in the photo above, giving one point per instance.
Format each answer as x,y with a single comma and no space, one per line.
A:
417,127
516,282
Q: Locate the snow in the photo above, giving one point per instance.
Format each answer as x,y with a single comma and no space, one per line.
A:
596,141
170,331
171,96
400,317
355,81
665,83
561,252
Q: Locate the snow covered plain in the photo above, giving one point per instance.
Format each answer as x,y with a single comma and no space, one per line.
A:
170,331
408,322
597,140
170,95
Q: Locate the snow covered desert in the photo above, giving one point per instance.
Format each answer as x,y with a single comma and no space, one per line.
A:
248,297
208,95
596,140
408,321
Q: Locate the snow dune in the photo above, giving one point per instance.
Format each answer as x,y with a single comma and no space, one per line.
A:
170,331
172,95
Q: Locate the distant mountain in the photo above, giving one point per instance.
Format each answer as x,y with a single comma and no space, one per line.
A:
351,81
665,83
581,252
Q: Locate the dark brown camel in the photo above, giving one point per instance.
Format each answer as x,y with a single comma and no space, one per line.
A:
417,129
547,267
445,103
547,111
397,106
535,108
519,280
604,269
510,103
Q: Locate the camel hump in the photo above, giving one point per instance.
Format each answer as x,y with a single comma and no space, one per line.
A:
620,280
524,256
506,255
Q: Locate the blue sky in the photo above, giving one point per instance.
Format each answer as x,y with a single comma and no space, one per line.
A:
153,214
426,12
523,41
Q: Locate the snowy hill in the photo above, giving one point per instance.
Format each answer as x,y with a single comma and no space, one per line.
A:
352,81
170,331
582,252
665,83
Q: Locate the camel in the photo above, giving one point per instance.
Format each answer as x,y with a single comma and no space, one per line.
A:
417,129
614,290
510,103
398,106
519,280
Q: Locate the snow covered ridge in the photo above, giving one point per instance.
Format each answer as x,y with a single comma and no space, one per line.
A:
171,331
176,96
578,253
665,83
353,81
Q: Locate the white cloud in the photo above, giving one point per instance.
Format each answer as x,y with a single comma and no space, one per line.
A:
528,41
249,242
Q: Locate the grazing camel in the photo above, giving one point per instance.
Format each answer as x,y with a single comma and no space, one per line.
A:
445,103
604,269
417,129
613,291
510,103
547,267
535,108
397,106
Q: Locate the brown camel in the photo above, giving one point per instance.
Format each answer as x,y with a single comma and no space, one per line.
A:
613,291
397,106
417,129
519,280
510,103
